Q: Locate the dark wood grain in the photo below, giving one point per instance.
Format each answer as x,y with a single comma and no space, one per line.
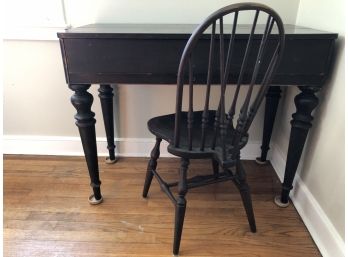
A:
150,54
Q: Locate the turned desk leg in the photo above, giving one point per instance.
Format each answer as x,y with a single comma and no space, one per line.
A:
82,101
305,102
106,97
272,100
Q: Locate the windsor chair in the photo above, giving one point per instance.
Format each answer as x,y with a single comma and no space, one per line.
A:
213,133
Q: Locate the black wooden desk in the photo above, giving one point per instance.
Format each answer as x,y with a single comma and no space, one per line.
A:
149,54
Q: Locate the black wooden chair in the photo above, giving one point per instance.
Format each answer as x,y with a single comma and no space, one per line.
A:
213,134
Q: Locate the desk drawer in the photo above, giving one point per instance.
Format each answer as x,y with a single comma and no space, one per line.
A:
155,61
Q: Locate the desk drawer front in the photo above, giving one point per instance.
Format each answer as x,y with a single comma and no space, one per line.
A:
156,61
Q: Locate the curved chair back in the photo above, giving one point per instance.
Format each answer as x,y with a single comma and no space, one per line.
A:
264,44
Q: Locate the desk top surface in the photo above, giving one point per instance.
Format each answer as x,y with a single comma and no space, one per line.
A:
175,31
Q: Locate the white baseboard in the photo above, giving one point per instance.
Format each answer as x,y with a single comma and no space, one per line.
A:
318,224
71,146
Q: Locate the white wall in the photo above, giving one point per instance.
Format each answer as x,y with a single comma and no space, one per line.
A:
33,13
81,12
36,97
321,168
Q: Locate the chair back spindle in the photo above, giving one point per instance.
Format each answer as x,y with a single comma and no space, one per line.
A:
205,115
190,109
260,58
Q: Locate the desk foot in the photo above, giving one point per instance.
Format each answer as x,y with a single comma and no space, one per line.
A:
261,162
110,161
82,101
93,201
279,203
271,106
106,99
305,103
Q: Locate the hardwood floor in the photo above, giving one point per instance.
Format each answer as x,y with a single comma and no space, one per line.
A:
46,212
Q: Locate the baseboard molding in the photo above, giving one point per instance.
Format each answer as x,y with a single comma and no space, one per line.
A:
319,226
71,146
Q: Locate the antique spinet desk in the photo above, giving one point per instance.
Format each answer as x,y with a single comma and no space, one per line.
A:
108,54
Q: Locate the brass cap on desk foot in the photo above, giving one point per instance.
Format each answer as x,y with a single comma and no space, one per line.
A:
109,161
260,162
93,201
279,203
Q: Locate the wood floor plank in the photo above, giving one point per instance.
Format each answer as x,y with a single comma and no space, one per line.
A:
46,212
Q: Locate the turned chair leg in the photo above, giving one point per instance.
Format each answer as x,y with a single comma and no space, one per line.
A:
180,207
215,165
244,190
155,153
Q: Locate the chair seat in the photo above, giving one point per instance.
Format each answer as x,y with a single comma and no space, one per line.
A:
163,127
